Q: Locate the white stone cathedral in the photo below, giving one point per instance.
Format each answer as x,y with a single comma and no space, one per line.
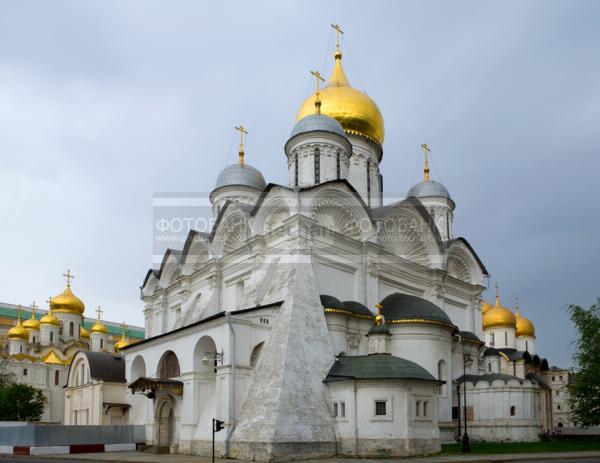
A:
316,321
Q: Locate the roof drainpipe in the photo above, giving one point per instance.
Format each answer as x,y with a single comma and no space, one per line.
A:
231,406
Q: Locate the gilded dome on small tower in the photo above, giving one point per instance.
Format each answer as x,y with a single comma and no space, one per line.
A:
524,326
498,316
33,323
49,319
83,333
355,110
18,332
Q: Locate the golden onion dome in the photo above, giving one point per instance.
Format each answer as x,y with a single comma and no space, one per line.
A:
357,112
524,326
67,302
485,306
49,319
99,327
84,333
121,343
498,316
33,323
18,332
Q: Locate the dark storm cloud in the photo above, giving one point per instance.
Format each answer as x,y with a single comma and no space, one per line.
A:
104,103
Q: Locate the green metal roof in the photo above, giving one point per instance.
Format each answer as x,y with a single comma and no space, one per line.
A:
10,311
376,366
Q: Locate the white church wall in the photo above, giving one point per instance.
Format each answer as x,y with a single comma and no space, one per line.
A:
337,281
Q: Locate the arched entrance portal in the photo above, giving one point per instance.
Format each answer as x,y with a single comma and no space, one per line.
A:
165,423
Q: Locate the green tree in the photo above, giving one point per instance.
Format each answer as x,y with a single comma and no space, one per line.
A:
21,402
584,389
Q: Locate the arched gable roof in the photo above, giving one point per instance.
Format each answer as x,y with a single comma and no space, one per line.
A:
464,241
104,366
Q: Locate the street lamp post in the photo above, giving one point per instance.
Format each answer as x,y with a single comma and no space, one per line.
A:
467,361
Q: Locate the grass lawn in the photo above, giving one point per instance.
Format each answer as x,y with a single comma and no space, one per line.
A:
524,447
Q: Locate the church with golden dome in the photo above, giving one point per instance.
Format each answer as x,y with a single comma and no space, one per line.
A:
315,319
38,346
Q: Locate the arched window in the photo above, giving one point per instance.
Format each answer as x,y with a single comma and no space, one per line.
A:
317,166
492,339
60,329
51,337
168,367
71,329
513,410
442,376
296,170
337,165
369,183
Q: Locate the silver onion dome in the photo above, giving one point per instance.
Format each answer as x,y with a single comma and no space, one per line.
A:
317,123
428,188
241,174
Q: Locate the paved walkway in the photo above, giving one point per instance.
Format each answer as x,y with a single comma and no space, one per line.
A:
141,457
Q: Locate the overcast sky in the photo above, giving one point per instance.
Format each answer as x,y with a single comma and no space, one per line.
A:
104,103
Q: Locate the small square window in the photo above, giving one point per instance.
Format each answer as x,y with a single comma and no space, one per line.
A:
342,409
380,407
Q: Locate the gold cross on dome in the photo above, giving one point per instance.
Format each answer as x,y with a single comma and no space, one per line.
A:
33,307
19,310
426,151
497,294
49,301
318,79
69,277
338,31
99,312
242,131
124,327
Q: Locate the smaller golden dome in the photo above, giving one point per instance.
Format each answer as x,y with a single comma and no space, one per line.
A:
121,343
18,332
498,316
485,306
67,302
83,333
49,319
524,326
99,327
33,323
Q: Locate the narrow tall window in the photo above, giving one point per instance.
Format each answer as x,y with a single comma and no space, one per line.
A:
24,371
342,409
527,346
513,410
317,166
101,343
492,339
506,338
296,171
56,377
51,337
369,183
71,329
337,165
